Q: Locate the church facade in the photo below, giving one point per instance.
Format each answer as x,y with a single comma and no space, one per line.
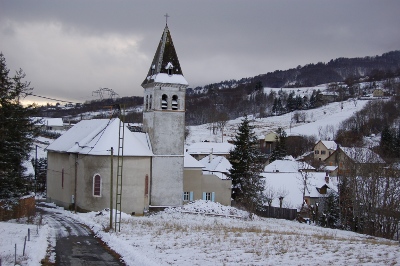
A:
156,170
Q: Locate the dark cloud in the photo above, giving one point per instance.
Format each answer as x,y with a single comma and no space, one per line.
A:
70,48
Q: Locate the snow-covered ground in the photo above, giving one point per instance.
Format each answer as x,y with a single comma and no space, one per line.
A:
187,236
12,241
319,122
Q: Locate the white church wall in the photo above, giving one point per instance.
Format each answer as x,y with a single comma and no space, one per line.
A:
167,181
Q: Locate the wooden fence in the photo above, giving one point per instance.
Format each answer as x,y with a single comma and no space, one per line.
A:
279,213
24,208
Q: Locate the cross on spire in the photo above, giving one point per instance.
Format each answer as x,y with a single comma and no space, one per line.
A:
166,18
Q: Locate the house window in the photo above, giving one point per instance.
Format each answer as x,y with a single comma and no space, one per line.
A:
164,102
147,103
209,196
323,152
316,151
188,196
62,178
97,185
175,102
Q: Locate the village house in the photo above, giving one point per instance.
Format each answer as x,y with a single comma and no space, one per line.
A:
323,149
206,182
378,93
268,142
353,161
83,174
284,184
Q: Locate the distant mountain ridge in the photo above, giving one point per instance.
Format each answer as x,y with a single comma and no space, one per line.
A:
336,70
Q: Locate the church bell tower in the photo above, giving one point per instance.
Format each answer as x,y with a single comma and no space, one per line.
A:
164,121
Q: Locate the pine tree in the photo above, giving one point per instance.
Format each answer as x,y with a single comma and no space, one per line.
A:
16,132
279,152
247,164
330,215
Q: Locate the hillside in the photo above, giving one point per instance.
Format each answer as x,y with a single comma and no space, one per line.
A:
336,70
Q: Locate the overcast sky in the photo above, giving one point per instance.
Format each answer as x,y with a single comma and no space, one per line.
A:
68,49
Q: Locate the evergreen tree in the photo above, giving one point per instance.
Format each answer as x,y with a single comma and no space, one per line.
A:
291,102
279,152
16,133
275,106
330,215
387,141
247,164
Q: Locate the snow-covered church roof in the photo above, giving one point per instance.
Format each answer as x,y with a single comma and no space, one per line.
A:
97,136
165,67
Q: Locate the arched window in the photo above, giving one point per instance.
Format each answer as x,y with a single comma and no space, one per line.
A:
147,103
174,102
164,102
97,185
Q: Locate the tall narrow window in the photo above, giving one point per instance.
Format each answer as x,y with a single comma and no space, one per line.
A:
186,196
62,178
97,185
150,101
146,185
174,103
164,102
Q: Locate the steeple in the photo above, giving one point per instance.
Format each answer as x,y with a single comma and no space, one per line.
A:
165,67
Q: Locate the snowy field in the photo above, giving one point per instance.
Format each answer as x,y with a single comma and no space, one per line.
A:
318,122
187,236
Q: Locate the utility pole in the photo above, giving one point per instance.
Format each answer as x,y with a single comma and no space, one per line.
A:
35,170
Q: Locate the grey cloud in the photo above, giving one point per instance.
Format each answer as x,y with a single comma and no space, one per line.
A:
215,40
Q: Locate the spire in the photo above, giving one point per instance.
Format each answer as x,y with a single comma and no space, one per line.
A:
165,61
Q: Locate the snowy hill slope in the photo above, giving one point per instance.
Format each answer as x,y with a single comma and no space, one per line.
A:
318,122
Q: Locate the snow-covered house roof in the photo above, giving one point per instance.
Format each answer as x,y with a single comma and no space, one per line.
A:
190,162
97,136
209,147
217,165
329,144
288,165
48,121
362,155
290,185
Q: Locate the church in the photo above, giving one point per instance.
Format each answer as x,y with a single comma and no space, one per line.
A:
156,170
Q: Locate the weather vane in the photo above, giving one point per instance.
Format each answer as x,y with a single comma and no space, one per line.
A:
166,18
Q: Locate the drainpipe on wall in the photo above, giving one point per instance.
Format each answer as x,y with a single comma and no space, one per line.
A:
76,179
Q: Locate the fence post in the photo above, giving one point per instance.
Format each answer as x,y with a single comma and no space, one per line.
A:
23,252
15,254
29,234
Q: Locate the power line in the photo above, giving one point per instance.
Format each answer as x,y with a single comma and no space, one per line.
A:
48,98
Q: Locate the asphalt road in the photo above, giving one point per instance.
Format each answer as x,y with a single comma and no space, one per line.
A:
75,244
